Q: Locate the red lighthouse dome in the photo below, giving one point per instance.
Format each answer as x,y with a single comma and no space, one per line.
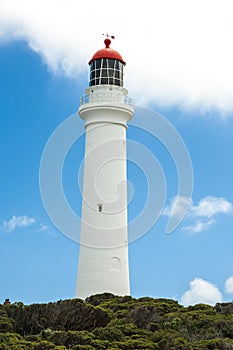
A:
107,52
106,67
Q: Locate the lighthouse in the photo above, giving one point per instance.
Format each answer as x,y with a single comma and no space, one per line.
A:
106,108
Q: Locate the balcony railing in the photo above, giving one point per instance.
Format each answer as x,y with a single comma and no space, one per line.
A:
105,98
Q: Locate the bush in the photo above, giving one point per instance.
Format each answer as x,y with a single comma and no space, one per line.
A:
109,333
44,345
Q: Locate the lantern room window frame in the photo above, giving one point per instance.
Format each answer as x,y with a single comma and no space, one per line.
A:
106,71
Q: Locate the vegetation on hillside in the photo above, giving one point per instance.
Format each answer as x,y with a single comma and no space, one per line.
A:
110,322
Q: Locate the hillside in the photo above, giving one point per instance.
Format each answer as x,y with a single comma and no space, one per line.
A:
110,322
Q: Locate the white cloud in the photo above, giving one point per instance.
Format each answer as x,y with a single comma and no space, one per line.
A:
229,285
24,221
47,229
201,291
43,228
178,52
199,226
202,215
178,206
210,206
17,222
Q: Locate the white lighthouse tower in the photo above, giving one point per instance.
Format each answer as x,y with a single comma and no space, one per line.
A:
105,108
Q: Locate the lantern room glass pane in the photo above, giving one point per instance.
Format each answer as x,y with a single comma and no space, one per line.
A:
111,63
98,64
104,81
111,72
104,62
104,73
117,74
117,65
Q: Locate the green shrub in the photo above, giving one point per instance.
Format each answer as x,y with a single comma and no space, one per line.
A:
109,333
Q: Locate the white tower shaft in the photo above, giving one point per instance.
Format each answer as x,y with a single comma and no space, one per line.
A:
103,260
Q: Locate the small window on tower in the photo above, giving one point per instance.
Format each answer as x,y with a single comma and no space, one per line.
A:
99,208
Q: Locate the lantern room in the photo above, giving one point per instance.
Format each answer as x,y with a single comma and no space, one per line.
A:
106,67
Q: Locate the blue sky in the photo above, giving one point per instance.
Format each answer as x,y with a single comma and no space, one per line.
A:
38,263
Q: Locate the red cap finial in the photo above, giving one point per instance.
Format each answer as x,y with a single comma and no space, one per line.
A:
107,42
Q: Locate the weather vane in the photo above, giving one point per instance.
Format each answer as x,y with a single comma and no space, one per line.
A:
109,36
